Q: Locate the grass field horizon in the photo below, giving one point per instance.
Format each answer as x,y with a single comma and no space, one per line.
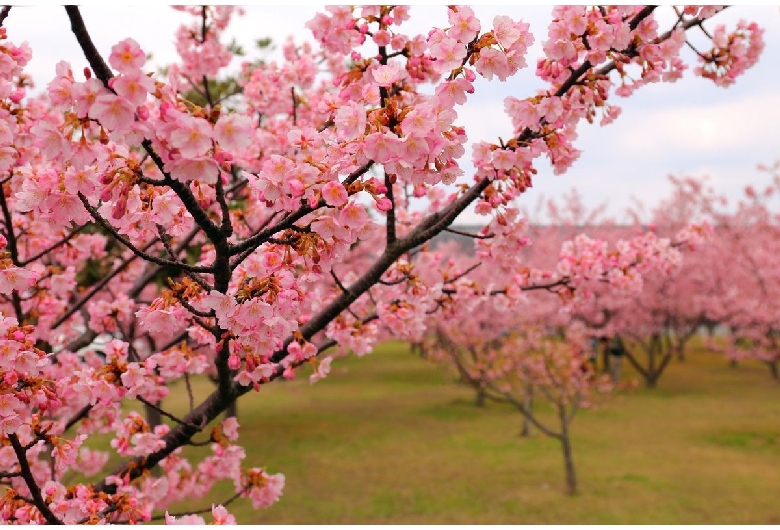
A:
391,438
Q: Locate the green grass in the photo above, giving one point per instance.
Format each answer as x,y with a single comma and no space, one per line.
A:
390,438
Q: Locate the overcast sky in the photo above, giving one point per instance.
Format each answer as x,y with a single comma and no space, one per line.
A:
690,127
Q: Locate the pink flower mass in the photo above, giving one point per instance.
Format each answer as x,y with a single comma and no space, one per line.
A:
239,220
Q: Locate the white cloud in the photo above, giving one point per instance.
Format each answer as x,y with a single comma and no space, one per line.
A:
748,123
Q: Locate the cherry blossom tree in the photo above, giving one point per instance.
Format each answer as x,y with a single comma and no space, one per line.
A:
660,320
505,345
747,295
506,368
147,238
737,293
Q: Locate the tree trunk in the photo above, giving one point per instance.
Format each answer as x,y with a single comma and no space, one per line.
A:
733,363
680,352
528,404
571,474
650,363
480,401
615,365
773,370
606,356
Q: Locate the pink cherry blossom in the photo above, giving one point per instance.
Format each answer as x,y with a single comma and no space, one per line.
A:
334,194
233,132
127,56
112,112
387,75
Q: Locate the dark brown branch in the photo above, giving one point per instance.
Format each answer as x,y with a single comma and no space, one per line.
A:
82,341
166,241
258,239
398,281
96,288
181,434
35,491
174,341
203,26
4,14
522,409
467,234
638,367
79,29
13,250
227,227
164,412
10,235
464,273
144,280
390,222
338,282
189,391
80,415
138,252
563,282
202,510
633,53
55,246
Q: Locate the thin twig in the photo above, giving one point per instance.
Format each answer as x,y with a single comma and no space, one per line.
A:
56,245
467,234
189,390
166,413
202,510
97,287
138,252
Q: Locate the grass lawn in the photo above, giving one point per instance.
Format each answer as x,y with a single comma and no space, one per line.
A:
390,438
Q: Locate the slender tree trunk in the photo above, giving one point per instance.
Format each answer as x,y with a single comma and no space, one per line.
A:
652,381
615,365
528,405
480,400
417,348
773,370
568,459
680,352
733,363
651,364
606,356
638,367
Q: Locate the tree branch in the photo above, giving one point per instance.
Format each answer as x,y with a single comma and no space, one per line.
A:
97,287
35,491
